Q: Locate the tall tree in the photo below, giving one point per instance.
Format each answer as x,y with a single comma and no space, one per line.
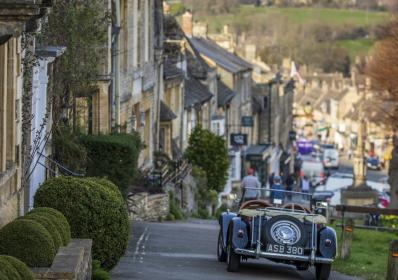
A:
209,152
80,26
384,72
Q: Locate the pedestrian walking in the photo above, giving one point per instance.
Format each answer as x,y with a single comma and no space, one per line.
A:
305,186
277,194
289,186
248,186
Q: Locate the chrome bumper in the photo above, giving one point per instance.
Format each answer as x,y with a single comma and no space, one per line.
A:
261,254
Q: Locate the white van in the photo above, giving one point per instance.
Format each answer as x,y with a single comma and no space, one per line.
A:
331,158
314,171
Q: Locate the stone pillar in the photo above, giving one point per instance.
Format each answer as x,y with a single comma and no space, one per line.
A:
11,94
359,161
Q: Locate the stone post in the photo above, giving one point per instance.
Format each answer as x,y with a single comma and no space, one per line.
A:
346,239
392,270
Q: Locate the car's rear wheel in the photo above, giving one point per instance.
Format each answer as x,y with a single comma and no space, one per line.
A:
233,259
322,271
221,254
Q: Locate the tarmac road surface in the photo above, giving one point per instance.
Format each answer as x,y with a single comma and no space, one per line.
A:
187,251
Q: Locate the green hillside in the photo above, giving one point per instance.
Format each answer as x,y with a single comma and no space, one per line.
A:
248,17
297,15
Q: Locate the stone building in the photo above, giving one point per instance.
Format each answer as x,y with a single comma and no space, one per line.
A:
15,20
335,102
138,71
42,121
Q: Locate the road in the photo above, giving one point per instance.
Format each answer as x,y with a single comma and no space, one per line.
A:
346,167
187,251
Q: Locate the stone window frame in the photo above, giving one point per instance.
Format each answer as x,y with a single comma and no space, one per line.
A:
8,109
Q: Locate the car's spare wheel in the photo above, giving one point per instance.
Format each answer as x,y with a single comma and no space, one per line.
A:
285,230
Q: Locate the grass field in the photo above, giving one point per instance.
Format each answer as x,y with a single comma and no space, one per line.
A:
333,17
368,256
356,47
298,15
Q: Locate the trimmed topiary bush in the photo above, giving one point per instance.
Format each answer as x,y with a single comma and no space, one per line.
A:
28,241
58,219
23,270
3,276
114,157
9,270
93,210
48,225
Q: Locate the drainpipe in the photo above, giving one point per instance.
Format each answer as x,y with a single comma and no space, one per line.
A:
116,67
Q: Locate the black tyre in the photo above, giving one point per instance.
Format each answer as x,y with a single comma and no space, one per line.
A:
233,259
288,221
322,271
221,253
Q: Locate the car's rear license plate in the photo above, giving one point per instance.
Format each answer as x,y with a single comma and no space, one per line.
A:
285,249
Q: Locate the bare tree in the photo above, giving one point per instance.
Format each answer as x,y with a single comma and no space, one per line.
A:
383,70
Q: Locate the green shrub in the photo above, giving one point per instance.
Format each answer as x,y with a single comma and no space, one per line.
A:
220,210
23,270
9,270
114,157
28,241
93,210
48,225
98,273
3,276
58,219
175,210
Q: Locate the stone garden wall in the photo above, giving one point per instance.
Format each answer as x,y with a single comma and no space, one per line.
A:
146,207
71,263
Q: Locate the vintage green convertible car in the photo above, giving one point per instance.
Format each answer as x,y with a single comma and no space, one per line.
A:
285,230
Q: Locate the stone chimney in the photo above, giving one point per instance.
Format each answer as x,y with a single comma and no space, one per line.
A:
200,29
226,29
250,52
187,23
166,8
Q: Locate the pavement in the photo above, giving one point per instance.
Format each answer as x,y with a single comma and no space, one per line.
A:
187,251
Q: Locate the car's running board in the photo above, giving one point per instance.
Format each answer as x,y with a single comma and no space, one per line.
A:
252,253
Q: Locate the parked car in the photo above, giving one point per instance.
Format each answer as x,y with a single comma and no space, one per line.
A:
331,158
322,196
373,163
340,181
314,170
281,231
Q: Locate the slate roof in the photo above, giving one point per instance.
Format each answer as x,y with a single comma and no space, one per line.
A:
171,71
195,93
222,57
225,94
166,114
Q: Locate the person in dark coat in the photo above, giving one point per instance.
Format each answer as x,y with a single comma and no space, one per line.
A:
276,190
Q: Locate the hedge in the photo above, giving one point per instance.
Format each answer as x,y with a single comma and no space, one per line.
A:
48,225
9,270
28,241
93,210
59,219
23,270
114,157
